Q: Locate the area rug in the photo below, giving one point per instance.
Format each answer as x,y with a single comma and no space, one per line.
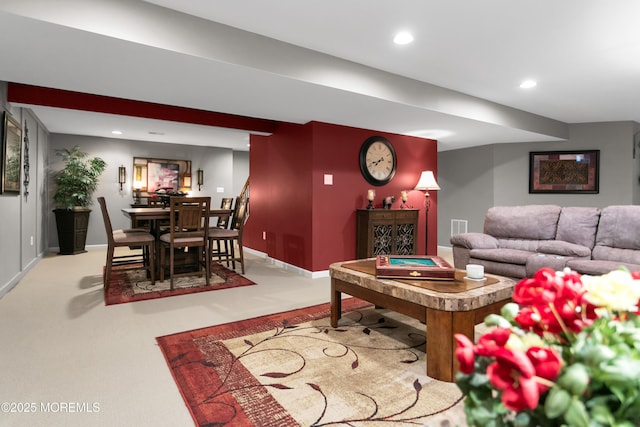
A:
133,285
294,369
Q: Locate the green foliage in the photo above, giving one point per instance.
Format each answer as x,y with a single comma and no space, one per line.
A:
78,180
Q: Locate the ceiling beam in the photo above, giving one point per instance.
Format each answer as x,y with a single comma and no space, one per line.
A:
37,95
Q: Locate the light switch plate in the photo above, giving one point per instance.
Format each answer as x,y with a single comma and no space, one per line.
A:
328,179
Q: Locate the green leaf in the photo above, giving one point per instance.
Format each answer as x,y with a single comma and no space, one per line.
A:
576,415
557,402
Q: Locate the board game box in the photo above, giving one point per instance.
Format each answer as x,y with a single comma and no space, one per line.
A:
413,267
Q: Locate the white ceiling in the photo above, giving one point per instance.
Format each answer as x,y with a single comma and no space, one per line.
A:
333,61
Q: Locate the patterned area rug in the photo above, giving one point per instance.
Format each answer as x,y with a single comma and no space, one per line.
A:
133,285
294,369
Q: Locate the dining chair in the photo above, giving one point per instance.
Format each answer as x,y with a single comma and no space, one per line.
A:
223,220
231,236
131,238
189,228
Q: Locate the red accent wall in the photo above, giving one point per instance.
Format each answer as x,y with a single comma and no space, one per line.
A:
309,224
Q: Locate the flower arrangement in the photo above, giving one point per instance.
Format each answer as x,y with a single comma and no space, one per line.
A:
566,352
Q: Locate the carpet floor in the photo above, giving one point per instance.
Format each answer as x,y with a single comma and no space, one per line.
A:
133,285
294,369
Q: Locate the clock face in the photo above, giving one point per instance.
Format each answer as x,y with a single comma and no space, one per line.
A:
377,160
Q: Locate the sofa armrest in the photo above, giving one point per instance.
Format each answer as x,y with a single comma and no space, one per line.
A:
559,247
475,241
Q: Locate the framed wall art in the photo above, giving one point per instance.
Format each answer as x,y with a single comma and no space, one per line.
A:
564,171
11,154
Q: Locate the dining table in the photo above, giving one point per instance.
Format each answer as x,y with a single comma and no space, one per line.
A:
155,216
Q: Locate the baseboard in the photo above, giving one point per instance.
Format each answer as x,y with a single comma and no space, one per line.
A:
14,281
288,267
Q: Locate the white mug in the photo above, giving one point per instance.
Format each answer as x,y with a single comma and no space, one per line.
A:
475,271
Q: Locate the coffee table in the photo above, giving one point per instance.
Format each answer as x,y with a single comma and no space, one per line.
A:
447,307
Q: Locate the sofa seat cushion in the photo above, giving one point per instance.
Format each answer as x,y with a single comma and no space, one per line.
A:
474,240
539,260
534,222
558,247
598,267
605,253
511,256
520,244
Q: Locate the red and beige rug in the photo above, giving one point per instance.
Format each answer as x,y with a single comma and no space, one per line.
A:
294,369
133,285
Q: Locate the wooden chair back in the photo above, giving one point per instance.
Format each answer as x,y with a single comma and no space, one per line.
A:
189,217
105,217
240,214
223,220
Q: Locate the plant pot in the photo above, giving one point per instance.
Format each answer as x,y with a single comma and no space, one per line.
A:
72,228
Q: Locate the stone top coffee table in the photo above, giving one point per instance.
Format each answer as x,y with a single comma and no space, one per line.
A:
449,307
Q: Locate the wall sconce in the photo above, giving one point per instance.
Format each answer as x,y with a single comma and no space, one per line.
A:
186,180
200,178
122,176
427,182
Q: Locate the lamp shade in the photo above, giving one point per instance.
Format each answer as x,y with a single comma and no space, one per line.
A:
427,182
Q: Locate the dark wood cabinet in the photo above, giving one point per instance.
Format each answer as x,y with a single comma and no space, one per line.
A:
386,232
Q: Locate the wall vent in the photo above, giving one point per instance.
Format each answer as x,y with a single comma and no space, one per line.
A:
458,226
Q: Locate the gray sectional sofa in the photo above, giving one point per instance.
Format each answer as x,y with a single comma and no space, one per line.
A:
519,240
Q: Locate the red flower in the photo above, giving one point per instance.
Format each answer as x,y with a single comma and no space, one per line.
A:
546,363
513,373
552,302
464,353
490,342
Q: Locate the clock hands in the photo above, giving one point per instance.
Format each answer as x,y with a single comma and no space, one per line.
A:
377,161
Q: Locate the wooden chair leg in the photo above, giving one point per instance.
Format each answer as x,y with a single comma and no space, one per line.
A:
171,261
163,260
107,273
241,255
151,249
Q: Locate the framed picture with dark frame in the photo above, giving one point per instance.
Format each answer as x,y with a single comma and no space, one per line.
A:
564,171
11,154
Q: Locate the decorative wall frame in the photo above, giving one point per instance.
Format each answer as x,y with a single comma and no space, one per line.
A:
564,172
151,174
11,154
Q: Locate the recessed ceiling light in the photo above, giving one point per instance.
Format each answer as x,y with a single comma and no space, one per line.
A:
403,38
116,132
528,84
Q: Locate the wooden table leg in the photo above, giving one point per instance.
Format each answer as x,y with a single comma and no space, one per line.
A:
336,304
441,327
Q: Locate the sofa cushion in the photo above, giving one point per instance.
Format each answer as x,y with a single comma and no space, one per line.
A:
578,225
618,227
598,267
512,256
558,247
538,222
520,244
474,240
605,253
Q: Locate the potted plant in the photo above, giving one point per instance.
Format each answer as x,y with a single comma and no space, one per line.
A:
76,183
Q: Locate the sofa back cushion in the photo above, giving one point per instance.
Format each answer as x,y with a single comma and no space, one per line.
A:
536,222
619,227
578,225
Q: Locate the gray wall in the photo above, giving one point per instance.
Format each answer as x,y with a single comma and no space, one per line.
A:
474,179
23,224
221,171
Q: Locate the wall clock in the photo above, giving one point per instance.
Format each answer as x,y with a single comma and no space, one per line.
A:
377,160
